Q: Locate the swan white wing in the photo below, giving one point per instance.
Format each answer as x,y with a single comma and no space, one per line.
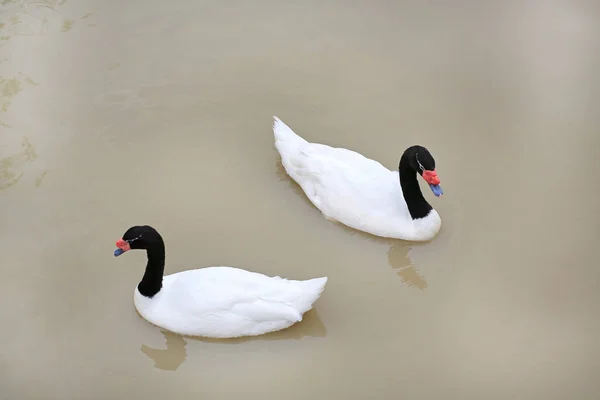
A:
215,290
350,188
225,302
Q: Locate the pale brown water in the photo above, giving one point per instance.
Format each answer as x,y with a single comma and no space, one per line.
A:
153,112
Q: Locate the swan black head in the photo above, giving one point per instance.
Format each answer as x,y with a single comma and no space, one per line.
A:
138,238
419,159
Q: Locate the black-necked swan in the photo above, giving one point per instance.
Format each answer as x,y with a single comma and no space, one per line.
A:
361,193
214,302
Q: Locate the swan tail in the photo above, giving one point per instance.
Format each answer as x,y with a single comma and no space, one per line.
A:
286,140
313,288
317,286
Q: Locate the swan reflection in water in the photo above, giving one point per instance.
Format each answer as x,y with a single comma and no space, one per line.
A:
172,357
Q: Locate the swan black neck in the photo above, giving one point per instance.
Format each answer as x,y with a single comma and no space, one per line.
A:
416,203
151,283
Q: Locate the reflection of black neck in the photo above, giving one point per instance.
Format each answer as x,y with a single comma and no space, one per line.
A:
151,283
416,203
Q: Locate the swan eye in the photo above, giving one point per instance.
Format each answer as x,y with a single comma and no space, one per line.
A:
419,163
133,240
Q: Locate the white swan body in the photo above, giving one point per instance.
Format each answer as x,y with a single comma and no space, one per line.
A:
226,302
350,188
215,302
